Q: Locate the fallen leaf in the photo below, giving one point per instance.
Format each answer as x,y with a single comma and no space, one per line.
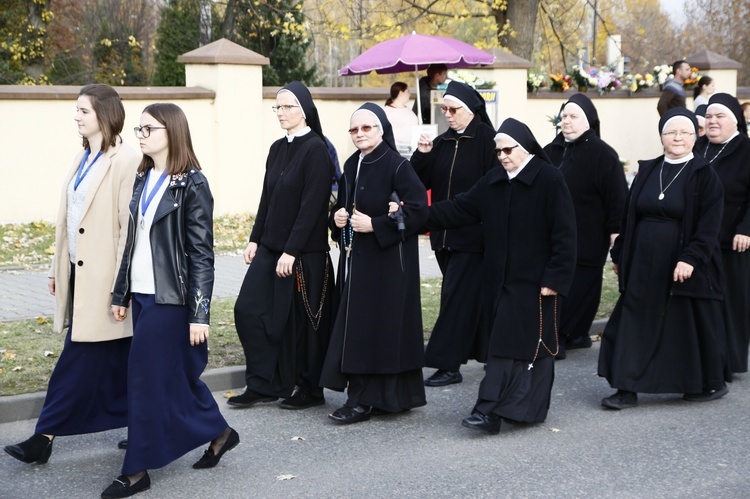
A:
42,320
17,368
49,353
50,250
554,430
285,477
298,438
228,394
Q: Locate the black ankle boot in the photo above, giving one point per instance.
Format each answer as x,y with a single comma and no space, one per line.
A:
36,449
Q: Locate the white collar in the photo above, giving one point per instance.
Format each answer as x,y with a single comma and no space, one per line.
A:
514,173
304,131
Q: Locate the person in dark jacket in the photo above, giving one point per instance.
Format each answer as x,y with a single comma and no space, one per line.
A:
526,214
450,165
284,310
727,149
376,351
666,333
167,270
597,184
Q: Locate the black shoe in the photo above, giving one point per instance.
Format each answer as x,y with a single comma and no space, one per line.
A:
209,459
579,342
122,487
301,399
443,378
350,415
36,449
122,444
249,399
478,421
621,400
707,395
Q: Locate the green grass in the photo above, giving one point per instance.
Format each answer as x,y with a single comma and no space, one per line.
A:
31,244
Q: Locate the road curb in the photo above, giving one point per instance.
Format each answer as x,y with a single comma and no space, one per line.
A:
29,405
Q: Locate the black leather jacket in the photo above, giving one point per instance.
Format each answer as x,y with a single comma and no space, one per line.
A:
181,246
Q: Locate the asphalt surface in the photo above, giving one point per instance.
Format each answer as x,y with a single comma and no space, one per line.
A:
665,448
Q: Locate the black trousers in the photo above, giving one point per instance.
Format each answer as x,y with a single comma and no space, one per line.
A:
461,332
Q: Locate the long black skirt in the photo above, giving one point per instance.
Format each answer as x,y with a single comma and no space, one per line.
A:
395,392
285,339
513,391
579,307
737,307
655,342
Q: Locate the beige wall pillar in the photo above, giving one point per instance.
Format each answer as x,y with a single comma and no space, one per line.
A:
722,69
236,163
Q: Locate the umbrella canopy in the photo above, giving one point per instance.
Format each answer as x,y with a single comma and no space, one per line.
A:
416,52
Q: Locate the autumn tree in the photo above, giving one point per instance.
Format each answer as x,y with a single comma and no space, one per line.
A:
179,32
276,29
23,25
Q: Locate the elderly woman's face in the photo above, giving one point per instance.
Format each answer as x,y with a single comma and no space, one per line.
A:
510,154
719,124
574,122
365,132
678,138
457,115
289,113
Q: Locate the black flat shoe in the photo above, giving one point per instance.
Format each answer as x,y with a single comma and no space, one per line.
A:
487,423
621,400
301,399
209,459
122,487
249,399
350,415
36,449
707,395
122,444
443,378
578,342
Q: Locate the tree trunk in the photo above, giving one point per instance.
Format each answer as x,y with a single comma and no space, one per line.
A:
227,24
521,15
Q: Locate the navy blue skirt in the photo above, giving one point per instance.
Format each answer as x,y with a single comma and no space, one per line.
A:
88,388
170,410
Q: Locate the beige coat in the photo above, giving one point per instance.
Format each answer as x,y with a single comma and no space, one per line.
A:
99,246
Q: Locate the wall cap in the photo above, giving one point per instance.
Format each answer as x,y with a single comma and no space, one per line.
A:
223,51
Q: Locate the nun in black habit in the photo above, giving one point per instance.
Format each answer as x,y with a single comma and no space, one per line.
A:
377,348
526,214
596,181
666,333
449,165
284,310
727,148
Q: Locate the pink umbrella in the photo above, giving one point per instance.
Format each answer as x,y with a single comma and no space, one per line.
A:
415,52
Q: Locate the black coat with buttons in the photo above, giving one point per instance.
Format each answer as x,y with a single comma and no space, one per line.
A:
181,246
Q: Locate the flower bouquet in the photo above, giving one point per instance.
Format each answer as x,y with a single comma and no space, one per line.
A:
692,79
470,79
582,79
661,73
560,83
534,82
605,80
638,82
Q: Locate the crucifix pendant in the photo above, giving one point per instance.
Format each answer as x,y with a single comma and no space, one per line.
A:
661,196
348,249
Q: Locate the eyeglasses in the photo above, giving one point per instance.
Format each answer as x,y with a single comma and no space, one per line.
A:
505,150
674,133
145,130
452,110
364,128
284,108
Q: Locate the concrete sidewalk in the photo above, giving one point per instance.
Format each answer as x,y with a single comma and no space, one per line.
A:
24,295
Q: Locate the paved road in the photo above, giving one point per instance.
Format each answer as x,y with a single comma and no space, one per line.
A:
666,448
